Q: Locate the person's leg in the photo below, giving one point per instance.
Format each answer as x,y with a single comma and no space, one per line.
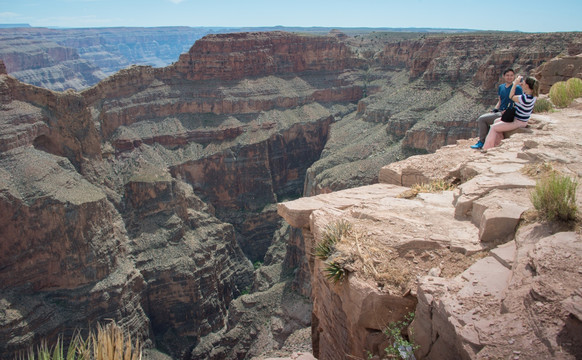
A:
496,131
485,121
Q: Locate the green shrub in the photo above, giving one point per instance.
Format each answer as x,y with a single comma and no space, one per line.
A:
335,272
333,233
400,348
554,197
542,105
559,94
574,87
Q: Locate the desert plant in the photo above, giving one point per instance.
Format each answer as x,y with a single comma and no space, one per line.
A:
109,343
542,105
554,197
57,352
559,94
432,187
335,272
333,233
400,346
574,87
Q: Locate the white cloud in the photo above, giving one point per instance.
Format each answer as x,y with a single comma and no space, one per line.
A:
176,1
8,15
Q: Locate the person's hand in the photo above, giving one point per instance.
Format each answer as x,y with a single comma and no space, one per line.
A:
519,79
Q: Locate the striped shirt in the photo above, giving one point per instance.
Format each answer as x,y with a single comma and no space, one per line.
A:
524,107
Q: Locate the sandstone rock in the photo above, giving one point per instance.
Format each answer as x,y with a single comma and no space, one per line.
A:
471,301
505,254
516,299
297,212
251,54
498,214
357,304
558,69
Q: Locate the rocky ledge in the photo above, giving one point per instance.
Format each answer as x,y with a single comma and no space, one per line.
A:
482,279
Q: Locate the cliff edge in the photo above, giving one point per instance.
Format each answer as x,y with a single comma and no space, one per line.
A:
482,279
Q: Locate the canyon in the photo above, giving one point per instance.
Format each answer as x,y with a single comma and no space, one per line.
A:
151,197
61,59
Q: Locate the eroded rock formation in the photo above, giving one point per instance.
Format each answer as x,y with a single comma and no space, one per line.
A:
478,288
60,59
147,197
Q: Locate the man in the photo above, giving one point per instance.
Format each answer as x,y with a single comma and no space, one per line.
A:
486,120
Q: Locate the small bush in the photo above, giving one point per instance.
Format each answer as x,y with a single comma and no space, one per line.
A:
542,105
559,94
574,87
401,347
554,197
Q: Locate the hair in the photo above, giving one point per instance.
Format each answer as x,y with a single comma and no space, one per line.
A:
533,84
508,70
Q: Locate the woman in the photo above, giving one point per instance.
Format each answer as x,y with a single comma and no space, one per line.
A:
524,105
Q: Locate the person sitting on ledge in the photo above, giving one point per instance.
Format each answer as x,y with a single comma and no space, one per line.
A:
486,120
524,105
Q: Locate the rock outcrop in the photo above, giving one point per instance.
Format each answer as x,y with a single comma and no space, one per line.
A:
558,69
478,288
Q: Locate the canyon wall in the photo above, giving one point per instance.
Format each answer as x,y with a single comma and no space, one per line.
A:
60,59
147,197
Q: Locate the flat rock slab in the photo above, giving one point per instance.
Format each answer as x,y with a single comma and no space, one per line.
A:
487,277
505,254
297,212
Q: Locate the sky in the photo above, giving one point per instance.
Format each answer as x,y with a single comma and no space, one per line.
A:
527,16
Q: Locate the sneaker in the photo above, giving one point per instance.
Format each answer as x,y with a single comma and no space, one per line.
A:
478,145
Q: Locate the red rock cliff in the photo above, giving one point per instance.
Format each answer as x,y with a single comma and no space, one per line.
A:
241,55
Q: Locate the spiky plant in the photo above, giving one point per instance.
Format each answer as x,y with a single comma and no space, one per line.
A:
333,233
109,343
335,272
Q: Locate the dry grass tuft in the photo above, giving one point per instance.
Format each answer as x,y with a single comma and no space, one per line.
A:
110,343
433,187
538,170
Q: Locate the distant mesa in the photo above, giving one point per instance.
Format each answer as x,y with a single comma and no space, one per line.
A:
6,26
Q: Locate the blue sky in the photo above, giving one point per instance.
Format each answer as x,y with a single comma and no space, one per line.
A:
528,16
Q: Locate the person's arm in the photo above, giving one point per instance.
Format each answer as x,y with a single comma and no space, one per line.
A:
512,96
496,109
498,105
